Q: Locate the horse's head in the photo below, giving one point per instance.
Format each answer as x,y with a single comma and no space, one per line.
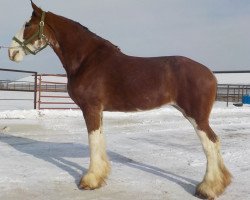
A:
31,38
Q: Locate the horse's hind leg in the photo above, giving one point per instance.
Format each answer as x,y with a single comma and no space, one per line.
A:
195,102
217,177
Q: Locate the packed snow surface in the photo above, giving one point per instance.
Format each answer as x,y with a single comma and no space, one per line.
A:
155,155
233,78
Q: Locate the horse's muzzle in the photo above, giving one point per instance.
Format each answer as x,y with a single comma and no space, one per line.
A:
12,54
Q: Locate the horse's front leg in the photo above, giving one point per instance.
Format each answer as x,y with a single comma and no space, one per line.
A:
99,165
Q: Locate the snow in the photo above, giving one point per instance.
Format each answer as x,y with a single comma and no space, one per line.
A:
233,78
10,100
154,155
52,78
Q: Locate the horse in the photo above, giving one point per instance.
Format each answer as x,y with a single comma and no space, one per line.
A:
102,78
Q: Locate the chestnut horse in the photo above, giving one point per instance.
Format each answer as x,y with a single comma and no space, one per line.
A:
102,78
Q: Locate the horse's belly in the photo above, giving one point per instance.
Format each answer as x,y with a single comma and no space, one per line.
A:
138,102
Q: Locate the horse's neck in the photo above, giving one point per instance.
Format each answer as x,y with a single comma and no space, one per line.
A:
74,43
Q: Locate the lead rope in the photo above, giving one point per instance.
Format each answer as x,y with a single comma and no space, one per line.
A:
5,47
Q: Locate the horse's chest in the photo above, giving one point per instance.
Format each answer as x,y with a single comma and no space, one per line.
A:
75,90
82,91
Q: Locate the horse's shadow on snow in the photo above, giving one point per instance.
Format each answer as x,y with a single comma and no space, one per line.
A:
55,153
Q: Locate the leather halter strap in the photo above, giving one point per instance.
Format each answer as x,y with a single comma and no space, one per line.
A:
39,34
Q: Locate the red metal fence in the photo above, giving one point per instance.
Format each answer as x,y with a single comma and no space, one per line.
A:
52,92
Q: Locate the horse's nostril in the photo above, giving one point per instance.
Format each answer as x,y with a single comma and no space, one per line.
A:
15,53
9,53
12,54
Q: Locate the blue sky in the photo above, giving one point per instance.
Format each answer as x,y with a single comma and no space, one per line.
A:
213,32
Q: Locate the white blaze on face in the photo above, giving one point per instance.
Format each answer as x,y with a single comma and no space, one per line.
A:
17,53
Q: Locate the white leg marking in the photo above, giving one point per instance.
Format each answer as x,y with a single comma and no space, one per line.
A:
212,151
217,177
97,150
99,164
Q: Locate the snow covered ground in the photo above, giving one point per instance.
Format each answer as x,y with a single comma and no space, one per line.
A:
233,78
10,100
155,155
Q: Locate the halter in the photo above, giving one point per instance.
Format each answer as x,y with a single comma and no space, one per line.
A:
38,34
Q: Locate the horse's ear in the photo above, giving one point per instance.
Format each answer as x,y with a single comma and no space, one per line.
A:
37,11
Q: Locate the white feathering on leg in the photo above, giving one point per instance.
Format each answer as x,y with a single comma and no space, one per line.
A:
99,165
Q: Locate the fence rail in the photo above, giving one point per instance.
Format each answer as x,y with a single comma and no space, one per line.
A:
53,94
232,93
6,85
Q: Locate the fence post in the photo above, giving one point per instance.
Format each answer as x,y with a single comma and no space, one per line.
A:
242,93
227,95
35,90
39,92
234,98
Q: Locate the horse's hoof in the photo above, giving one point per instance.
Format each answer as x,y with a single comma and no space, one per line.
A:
203,196
83,186
90,182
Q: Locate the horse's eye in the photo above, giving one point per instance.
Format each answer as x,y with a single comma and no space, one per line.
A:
27,25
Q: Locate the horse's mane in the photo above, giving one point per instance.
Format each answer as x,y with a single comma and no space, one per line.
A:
85,29
97,36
